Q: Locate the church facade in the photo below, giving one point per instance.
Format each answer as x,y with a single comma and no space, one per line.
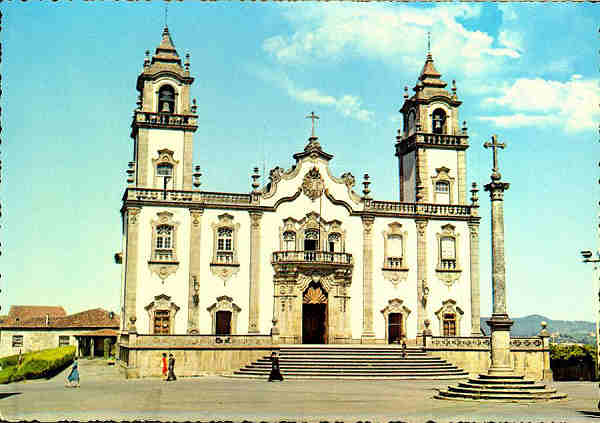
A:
305,257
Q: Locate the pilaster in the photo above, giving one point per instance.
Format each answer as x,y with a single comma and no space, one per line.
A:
462,177
422,179
194,277
368,335
188,146
474,272
421,272
131,269
254,307
142,158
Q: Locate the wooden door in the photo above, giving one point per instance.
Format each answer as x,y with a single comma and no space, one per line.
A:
223,323
161,322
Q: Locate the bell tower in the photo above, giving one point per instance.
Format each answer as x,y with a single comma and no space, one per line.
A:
431,146
164,121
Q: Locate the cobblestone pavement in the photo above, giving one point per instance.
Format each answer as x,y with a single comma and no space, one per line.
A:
105,395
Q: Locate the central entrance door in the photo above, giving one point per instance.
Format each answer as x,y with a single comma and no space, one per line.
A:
314,315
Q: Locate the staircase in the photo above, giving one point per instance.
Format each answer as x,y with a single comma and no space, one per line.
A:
353,362
501,389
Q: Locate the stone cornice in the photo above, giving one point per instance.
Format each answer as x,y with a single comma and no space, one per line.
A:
414,100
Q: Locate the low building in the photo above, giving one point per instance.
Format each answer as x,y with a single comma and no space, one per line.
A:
32,328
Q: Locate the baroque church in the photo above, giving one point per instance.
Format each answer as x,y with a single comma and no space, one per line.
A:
306,256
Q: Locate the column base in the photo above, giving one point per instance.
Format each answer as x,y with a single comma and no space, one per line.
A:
367,338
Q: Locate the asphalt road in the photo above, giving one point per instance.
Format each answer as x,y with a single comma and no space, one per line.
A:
104,395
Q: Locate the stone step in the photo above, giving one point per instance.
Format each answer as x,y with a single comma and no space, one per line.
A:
505,381
498,397
353,371
353,377
353,353
500,377
397,360
517,392
352,366
473,385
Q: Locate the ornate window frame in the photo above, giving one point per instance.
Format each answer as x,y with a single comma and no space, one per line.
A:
395,305
394,274
443,175
288,226
161,302
449,306
225,270
334,227
165,156
448,271
224,303
163,265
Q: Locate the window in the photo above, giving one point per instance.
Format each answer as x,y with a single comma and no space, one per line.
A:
164,243
63,340
311,239
225,262
394,252
438,121
225,245
17,341
166,99
442,192
442,187
334,242
394,258
448,252
164,169
161,322
289,240
411,121
449,324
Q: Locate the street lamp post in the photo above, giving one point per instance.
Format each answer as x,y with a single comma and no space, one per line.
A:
587,258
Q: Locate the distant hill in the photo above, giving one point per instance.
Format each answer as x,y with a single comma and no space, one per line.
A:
569,330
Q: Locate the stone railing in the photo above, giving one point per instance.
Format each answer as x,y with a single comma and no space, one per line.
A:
526,343
189,340
425,209
191,197
165,119
532,343
311,257
458,342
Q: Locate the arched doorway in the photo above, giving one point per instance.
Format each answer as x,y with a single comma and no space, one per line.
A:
314,315
394,328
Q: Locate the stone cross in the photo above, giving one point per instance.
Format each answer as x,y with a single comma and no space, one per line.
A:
495,145
313,117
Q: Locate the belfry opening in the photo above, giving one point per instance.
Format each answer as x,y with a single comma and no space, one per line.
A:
314,314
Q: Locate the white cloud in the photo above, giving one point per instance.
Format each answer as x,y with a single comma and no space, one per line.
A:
395,35
572,105
348,105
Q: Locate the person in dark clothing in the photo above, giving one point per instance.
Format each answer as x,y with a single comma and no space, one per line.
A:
403,347
171,375
275,372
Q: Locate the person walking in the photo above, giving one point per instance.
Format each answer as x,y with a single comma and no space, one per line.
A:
171,375
73,378
164,365
403,347
275,372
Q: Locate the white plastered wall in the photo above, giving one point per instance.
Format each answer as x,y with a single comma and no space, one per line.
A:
149,284
159,139
437,158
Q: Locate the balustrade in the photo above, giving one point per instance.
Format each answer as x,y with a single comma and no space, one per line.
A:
448,264
309,256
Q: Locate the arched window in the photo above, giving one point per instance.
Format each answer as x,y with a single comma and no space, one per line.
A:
289,240
442,191
411,121
166,99
439,121
311,239
225,245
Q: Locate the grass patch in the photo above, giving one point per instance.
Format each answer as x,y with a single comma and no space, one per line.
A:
38,364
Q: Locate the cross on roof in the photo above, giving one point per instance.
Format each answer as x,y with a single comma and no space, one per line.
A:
313,117
495,145
428,41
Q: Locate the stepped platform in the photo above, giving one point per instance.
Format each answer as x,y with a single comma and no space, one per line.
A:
353,362
511,388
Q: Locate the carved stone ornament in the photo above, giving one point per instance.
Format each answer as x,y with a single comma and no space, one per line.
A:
313,184
224,272
132,213
163,270
395,276
196,215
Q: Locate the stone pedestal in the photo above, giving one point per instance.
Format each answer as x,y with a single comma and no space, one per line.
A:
500,339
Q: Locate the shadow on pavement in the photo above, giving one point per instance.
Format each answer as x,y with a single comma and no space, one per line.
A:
8,394
591,414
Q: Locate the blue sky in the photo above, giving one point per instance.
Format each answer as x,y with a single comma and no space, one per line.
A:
527,72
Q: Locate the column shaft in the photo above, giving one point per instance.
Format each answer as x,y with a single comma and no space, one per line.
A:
131,265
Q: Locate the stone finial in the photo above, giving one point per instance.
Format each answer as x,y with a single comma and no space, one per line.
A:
454,88
139,102
132,321
464,127
130,172
405,92
418,126
255,177
474,197
544,333
399,136
194,106
427,331
147,59
197,174
366,183
274,328
187,62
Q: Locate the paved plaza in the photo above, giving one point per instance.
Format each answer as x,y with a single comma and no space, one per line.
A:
105,395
